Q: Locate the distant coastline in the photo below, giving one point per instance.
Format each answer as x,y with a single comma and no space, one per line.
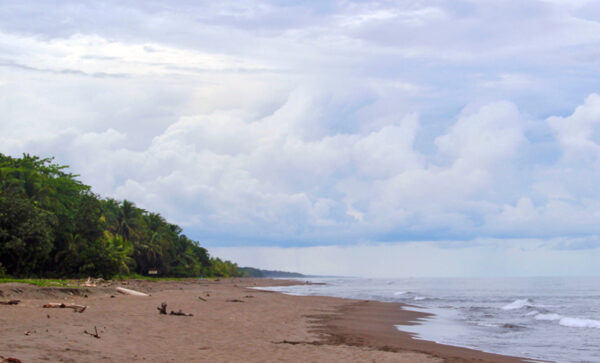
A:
256,272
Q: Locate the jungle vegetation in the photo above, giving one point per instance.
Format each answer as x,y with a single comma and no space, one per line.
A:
52,225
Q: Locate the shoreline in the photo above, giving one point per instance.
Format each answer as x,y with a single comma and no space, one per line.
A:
231,321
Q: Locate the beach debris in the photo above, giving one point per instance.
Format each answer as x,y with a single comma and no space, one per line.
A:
28,332
125,291
94,334
201,298
235,300
180,313
9,360
296,342
162,309
76,308
248,296
10,302
89,283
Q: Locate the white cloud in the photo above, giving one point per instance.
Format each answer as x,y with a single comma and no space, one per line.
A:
579,133
96,56
339,123
514,81
490,135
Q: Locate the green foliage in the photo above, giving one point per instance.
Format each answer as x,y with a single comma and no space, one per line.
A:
53,225
40,282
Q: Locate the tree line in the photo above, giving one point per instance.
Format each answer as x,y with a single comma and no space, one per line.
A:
52,225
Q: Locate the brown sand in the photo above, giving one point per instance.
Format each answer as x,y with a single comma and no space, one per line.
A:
234,324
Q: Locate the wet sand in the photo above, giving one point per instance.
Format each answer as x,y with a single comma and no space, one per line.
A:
230,323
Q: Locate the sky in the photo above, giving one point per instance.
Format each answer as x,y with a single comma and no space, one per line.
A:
374,138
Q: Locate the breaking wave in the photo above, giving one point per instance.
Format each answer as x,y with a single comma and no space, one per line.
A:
518,304
579,323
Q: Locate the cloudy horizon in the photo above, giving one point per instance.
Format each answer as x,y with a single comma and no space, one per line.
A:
277,133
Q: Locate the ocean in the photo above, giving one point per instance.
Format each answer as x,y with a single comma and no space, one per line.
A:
546,318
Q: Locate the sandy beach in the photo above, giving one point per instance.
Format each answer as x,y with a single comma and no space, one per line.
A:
231,322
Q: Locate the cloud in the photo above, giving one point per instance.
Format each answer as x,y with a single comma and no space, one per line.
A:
579,133
324,123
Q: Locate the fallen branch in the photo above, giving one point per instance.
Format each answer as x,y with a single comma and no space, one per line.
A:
75,307
125,291
94,334
162,309
201,298
10,302
180,313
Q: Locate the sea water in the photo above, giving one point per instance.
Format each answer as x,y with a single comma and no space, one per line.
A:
545,318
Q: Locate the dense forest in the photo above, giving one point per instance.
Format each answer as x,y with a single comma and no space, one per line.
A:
52,225
255,272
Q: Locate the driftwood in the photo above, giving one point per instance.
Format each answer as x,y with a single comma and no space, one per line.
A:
76,308
9,360
235,300
94,334
125,291
201,298
10,302
180,313
162,309
89,283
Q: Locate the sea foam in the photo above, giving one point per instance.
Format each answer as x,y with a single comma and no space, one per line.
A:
580,323
547,317
518,304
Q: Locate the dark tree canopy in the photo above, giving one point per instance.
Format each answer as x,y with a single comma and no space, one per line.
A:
52,225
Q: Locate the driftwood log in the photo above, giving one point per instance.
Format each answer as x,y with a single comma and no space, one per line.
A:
10,302
125,291
76,308
180,313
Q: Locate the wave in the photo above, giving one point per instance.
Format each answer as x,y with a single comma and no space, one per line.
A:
398,293
547,317
568,321
419,298
579,323
518,304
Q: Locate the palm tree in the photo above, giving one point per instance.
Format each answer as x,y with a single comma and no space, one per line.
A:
128,220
